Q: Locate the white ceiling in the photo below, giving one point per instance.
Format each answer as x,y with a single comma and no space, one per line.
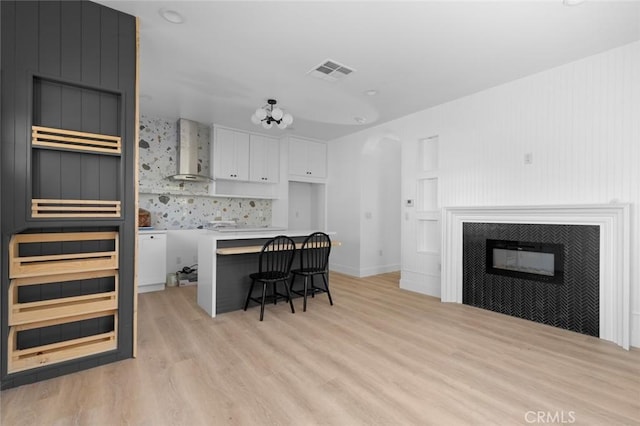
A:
228,58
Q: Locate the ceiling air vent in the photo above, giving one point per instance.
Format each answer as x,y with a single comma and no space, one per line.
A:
330,70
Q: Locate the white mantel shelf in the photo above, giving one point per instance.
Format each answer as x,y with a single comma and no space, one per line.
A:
614,223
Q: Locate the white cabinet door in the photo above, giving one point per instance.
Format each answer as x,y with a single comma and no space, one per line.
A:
231,154
297,157
317,159
264,159
152,258
307,159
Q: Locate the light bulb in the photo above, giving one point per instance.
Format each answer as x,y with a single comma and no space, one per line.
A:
267,125
282,125
261,113
287,119
276,113
255,119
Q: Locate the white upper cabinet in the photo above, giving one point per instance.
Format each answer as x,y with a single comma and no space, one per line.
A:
307,160
264,159
230,154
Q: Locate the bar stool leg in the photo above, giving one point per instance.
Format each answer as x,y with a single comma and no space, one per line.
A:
264,294
313,288
246,303
286,287
306,287
325,278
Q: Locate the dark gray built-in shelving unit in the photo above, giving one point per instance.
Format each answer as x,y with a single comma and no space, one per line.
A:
68,215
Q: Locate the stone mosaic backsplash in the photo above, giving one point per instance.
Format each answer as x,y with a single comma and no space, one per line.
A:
185,205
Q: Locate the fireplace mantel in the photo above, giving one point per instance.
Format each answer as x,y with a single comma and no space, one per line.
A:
614,223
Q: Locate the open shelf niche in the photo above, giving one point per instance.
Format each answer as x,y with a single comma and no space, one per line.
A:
75,162
428,209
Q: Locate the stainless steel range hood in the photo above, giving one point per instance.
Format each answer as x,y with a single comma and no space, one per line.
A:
189,153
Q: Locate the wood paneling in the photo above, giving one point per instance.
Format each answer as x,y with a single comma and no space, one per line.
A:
69,65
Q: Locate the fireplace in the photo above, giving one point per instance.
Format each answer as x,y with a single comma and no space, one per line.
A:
546,273
519,259
613,222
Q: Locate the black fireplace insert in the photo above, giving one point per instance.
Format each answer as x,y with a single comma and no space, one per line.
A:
520,259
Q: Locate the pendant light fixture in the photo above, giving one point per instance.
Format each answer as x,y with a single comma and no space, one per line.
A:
269,114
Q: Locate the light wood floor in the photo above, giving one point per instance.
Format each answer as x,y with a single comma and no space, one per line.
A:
381,355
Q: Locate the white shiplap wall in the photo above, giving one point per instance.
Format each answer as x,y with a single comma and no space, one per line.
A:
581,124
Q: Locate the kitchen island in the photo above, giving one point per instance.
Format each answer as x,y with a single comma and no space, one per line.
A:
223,279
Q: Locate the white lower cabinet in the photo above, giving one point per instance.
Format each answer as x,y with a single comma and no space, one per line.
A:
152,261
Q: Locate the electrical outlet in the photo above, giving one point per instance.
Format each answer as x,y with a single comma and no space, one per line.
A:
528,158
379,252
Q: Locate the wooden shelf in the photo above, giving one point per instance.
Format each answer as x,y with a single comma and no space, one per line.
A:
257,249
49,137
65,307
59,269
47,265
49,208
37,356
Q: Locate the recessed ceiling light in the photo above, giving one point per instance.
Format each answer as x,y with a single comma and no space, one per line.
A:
171,16
371,92
572,2
360,120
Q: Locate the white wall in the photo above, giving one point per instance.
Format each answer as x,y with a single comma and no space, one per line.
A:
363,197
581,124
307,205
182,248
300,206
380,207
343,204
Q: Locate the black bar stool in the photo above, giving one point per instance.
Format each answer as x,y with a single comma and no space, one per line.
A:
314,260
274,266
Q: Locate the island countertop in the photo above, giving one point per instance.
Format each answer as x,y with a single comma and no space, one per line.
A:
258,234
210,241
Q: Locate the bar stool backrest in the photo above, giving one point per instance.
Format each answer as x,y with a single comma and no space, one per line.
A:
277,256
315,251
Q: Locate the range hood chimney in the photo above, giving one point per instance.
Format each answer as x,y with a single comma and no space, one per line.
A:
189,169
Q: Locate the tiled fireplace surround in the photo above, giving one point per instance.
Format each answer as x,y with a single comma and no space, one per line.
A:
613,222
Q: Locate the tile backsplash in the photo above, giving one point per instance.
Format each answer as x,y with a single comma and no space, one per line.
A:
185,205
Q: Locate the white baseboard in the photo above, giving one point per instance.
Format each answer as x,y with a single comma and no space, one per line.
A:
149,288
364,272
375,270
343,269
420,283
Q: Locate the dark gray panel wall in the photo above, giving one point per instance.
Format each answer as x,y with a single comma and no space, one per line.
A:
67,64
